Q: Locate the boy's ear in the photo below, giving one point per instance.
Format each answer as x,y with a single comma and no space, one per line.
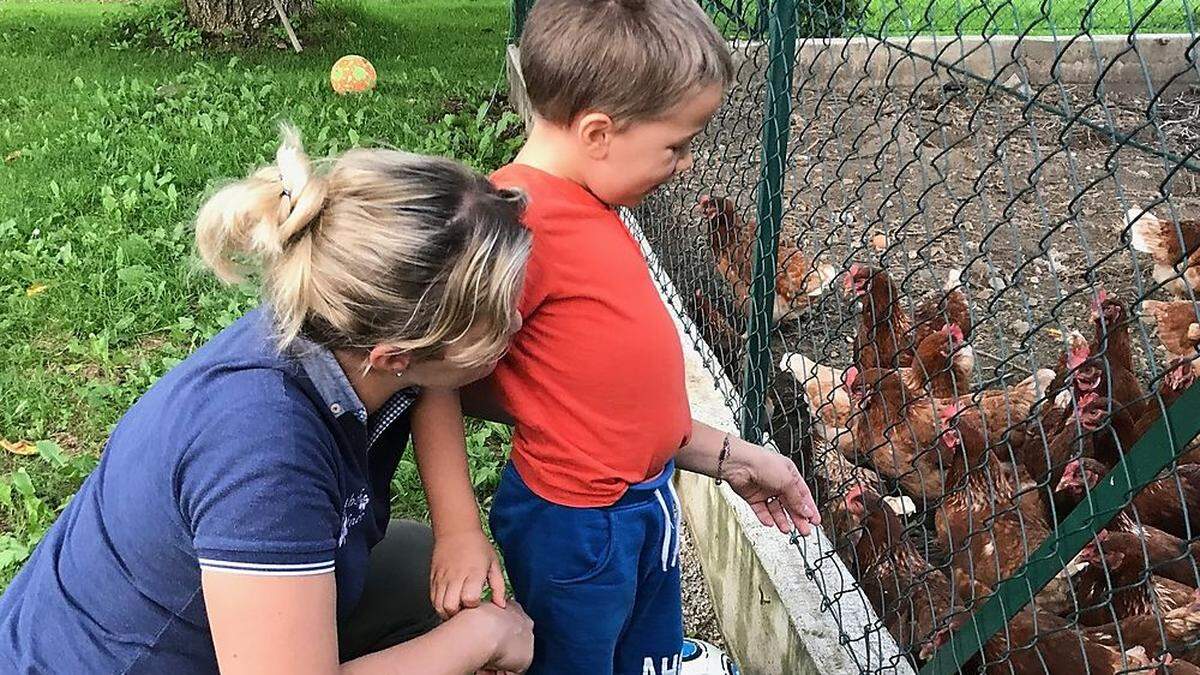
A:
595,131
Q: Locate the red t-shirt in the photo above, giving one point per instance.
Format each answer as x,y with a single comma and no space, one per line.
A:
594,378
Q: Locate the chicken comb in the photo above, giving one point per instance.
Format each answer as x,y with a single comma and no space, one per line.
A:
855,494
1078,350
954,331
851,275
1179,375
950,410
850,376
1094,549
1069,471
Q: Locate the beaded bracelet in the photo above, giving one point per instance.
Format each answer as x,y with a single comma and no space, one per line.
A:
722,457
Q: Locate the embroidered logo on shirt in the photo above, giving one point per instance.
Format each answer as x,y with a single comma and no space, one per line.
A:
353,512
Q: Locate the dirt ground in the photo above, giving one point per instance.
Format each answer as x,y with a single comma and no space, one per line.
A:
947,176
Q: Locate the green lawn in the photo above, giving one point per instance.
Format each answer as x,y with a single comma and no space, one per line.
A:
1060,17
1064,18
107,145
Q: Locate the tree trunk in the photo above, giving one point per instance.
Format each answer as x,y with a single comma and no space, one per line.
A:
232,17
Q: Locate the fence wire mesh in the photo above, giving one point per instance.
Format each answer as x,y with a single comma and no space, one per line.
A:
985,295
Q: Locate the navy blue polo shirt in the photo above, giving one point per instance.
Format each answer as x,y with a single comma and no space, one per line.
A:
239,459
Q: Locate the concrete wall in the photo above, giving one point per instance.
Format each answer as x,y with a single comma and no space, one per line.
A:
1145,63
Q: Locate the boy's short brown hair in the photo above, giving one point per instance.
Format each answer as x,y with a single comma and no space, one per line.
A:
630,59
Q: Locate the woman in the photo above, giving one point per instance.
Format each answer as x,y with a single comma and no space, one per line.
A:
238,518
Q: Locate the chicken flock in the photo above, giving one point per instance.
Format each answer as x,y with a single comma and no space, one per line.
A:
944,488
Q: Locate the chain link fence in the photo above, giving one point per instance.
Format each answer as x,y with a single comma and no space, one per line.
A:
944,255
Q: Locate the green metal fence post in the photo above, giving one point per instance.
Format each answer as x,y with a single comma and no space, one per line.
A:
1152,453
776,124
520,10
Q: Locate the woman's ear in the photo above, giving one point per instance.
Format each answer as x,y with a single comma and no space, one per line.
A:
594,131
388,359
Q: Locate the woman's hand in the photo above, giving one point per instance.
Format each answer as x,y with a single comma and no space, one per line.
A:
462,563
511,631
772,486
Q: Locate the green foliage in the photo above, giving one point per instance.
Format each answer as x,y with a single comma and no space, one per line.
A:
102,167
156,28
820,18
1009,17
487,451
826,18
483,137
29,508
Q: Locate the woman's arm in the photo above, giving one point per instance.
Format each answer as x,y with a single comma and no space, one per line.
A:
769,482
463,558
265,625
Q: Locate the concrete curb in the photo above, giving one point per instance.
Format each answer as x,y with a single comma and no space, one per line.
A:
1140,64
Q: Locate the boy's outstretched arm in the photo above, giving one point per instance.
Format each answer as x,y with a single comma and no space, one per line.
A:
768,481
463,558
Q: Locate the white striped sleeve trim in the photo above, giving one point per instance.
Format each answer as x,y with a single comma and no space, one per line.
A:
271,569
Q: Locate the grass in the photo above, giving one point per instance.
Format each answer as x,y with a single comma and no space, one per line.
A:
973,17
110,139
993,17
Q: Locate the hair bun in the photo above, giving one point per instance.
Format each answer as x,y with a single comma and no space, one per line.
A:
302,194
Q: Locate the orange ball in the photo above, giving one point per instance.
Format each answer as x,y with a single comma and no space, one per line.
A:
352,74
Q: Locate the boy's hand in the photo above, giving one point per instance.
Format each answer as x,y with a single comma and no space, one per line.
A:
773,487
462,563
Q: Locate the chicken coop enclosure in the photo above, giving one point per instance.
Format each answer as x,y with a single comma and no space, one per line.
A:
946,257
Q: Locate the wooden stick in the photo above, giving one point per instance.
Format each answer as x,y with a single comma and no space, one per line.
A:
287,26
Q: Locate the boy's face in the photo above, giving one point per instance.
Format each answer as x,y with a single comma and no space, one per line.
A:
643,155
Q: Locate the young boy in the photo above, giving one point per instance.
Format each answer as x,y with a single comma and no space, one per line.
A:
585,514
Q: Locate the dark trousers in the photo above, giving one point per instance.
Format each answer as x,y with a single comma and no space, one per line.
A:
601,584
395,604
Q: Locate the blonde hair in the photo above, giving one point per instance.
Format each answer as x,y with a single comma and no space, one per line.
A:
385,247
631,59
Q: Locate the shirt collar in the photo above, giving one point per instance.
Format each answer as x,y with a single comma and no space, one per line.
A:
329,379
334,387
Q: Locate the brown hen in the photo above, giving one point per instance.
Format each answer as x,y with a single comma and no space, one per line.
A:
1176,325
1114,585
1174,247
798,279
909,595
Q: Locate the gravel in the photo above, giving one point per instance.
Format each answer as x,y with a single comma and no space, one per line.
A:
699,618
